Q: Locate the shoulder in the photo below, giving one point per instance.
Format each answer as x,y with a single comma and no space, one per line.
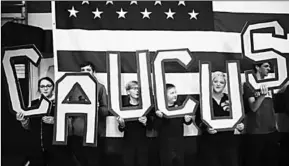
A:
35,102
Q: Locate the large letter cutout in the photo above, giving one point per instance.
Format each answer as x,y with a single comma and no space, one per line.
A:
248,50
32,53
234,94
65,108
114,89
184,58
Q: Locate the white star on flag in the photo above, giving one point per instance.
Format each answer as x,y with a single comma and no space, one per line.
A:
85,2
121,13
109,2
133,2
73,12
158,2
182,3
193,15
146,14
97,13
170,14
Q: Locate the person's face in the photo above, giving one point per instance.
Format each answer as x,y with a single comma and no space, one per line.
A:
264,69
133,92
46,88
219,84
172,95
87,69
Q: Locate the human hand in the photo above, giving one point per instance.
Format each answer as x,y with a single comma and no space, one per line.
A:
240,126
263,90
120,121
212,131
159,114
20,117
48,119
143,120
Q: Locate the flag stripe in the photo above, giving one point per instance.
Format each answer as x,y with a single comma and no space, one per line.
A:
163,40
180,80
69,61
234,22
280,7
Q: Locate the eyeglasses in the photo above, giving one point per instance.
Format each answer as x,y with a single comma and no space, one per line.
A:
47,86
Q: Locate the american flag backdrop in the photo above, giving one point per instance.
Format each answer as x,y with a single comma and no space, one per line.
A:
211,30
80,31
85,30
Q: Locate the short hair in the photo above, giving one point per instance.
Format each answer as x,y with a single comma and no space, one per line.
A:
219,74
259,65
130,84
48,79
86,63
169,86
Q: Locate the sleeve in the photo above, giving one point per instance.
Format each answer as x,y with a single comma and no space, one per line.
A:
151,117
158,122
203,127
247,94
247,91
102,99
286,94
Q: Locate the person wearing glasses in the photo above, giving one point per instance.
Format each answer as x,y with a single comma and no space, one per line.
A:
42,152
261,129
135,147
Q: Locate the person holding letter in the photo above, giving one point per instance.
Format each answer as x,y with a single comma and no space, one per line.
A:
171,132
42,152
89,155
220,148
135,141
262,134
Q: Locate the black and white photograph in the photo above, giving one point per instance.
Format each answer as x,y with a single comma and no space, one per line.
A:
144,83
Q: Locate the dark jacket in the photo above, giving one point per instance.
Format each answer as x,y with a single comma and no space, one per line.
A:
102,113
221,137
42,133
171,128
134,131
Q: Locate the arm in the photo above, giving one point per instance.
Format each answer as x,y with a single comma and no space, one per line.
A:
151,119
24,121
121,124
102,99
25,124
254,104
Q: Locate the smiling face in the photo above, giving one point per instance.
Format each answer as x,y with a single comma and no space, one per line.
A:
172,95
219,83
46,88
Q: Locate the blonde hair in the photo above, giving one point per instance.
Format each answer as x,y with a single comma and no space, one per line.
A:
219,74
130,84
